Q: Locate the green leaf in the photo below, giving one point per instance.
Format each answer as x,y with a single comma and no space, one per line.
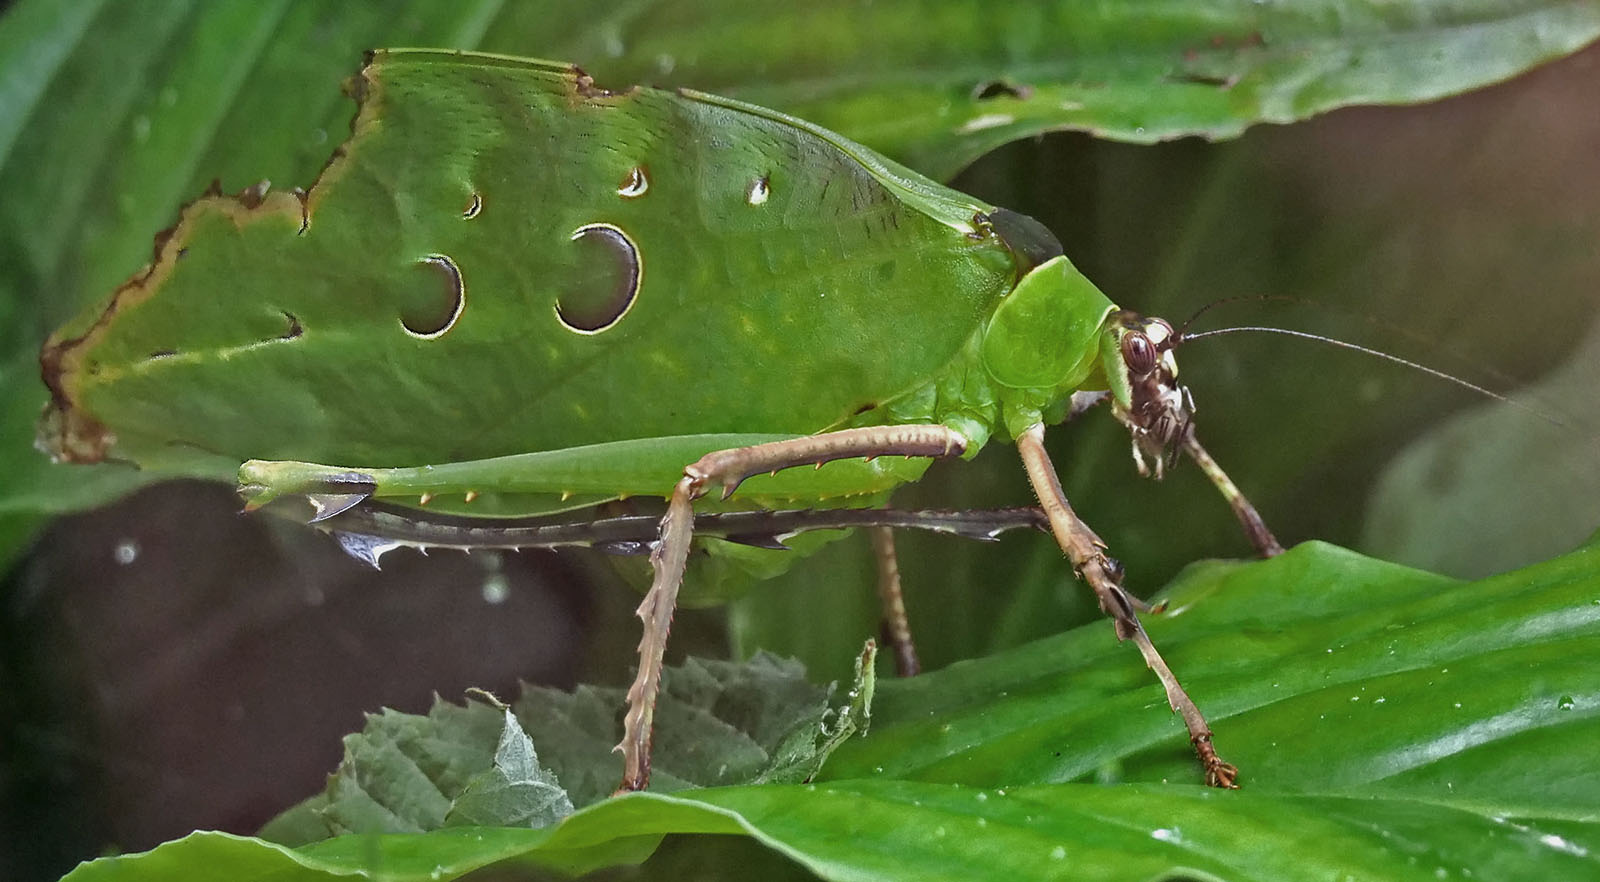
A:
1442,216
1390,724
1134,71
517,792
869,830
407,774
1320,671
716,723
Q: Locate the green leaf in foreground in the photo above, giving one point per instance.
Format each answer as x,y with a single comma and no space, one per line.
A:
1392,725
872,830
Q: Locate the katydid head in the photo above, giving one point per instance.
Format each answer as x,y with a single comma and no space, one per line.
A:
1143,374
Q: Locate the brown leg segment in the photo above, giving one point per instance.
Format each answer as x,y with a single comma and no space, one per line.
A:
729,468
1087,553
1254,527
895,625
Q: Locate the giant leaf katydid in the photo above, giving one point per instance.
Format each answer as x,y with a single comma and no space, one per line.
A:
513,291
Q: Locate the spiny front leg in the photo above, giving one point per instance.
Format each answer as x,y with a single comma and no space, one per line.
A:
1087,553
668,559
729,468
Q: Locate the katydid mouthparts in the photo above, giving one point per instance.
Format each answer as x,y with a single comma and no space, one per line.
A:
513,292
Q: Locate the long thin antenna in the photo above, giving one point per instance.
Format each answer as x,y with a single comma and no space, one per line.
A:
1432,372
1388,327
1183,329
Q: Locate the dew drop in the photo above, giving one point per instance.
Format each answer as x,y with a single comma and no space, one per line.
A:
127,551
496,588
1565,703
474,206
1551,840
1058,853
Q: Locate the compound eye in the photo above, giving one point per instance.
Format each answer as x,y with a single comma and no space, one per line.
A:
1138,353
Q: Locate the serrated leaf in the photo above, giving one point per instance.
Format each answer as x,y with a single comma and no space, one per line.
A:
403,773
517,792
717,723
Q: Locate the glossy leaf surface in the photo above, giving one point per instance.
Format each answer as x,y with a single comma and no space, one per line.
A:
1143,71
1391,723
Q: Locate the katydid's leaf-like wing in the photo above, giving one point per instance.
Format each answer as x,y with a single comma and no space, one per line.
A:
117,115
689,217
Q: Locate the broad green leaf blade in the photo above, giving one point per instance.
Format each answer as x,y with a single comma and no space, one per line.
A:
937,91
1320,671
882,830
956,778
